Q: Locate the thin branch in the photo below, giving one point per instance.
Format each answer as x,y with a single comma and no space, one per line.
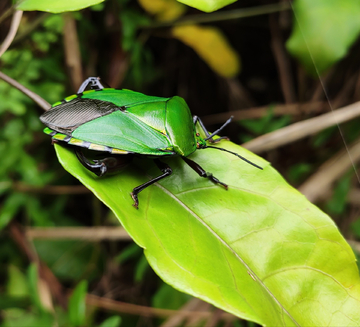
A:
223,15
31,27
177,319
72,50
15,22
294,109
36,98
354,196
317,185
302,129
45,274
282,61
355,245
134,309
196,320
90,234
51,189
7,13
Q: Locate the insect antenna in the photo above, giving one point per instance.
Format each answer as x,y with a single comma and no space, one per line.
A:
220,129
235,154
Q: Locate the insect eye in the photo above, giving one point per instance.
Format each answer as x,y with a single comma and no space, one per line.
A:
197,134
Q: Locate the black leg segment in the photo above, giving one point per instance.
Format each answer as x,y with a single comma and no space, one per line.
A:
209,136
167,171
202,172
102,166
98,167
92,82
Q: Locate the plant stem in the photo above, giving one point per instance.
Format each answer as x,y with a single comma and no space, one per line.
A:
15,22
302,129
31,27
6,14
38,99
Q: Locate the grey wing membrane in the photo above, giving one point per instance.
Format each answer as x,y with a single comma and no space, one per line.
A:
66,117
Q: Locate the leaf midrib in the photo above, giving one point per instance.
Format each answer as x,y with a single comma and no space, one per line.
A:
229,247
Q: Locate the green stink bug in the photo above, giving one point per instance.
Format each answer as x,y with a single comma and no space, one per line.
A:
126,123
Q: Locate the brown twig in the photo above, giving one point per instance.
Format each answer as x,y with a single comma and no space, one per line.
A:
198,319
15,22
355,245
31,27
7,13
354,196
18,236
45,273
134,309
72,50
282,61
357,88
238,96
177,319
345,92
51,189
90,234
214,320
302,129
317,185
320,89
294,109
33,96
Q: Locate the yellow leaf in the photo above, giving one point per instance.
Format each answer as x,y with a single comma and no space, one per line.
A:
212,46
164,10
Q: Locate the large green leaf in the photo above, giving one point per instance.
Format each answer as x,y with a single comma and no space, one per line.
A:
323,31
207,5
55,6
259,250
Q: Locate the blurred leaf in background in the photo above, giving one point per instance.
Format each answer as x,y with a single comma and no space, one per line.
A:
323,32
55,6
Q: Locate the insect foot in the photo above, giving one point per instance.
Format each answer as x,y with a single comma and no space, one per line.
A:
135,198
216,181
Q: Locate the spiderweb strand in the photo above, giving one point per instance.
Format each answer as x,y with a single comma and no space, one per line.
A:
326,94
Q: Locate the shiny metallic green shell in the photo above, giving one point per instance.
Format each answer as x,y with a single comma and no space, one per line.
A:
122,122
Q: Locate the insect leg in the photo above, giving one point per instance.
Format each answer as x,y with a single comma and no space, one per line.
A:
94,83
98,167
196,119
167,171
102,166
209,138
202,172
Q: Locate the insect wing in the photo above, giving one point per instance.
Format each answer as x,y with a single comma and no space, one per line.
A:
67,116
179,126
122,130
171,117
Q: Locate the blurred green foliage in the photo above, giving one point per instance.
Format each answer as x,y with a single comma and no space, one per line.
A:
28,163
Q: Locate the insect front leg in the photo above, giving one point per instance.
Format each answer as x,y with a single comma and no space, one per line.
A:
102,166
167,171
209,138
203,173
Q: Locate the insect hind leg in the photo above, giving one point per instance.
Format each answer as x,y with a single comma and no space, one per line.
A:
167,171
202,173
